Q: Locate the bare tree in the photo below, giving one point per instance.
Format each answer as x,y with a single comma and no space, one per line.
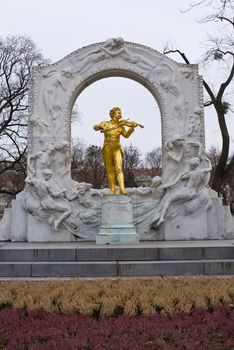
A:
94,165
18,55
87,165
221,54
213,154
78,171
153,160
131,161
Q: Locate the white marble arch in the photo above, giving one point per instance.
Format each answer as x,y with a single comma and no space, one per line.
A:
179,205
176,87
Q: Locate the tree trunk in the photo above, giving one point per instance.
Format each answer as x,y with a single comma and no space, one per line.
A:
219,175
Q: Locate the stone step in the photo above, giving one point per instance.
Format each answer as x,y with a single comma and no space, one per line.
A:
145,251
51,260
16,269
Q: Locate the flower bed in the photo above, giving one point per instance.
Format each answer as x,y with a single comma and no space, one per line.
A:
37,330
106,297
156,314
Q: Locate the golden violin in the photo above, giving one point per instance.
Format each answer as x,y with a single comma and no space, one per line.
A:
130,124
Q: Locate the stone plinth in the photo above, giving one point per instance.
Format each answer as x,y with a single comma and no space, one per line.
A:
47,233
117,221
183,227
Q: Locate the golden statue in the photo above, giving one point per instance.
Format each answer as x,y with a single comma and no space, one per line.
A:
111,151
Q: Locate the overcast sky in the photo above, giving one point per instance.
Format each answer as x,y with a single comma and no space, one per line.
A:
59,27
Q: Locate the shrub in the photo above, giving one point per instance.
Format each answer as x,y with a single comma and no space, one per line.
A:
110,297
37,330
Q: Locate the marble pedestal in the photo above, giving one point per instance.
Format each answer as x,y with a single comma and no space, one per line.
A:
117,221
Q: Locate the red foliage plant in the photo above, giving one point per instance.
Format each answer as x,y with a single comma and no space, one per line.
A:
37,330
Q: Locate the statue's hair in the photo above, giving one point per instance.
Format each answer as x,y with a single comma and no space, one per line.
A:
113,110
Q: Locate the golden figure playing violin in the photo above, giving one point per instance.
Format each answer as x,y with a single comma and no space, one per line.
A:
111,151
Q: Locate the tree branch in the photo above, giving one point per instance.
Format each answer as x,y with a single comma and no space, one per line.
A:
226,83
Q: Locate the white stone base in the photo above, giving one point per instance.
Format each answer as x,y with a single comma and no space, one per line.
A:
215,219
5,225
228,223
187,227
117,221
39,232
19,225
117,238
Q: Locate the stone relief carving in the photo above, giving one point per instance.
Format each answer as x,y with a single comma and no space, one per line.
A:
62,164
50,199
166,78
188,73
39,161
51,194
54,87
145,201
177,153
88,203
155,190
177,89
56,84
172,159
194,124
190,190
60,208
40,125
111,48
54,156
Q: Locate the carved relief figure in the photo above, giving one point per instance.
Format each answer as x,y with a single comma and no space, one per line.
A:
88,208
39,124
194,124
145,201
53,159
188,73
166,78
55,86
156,189
49,196
39,161
172,159
62,164
177,153
111,48
197,179
112,153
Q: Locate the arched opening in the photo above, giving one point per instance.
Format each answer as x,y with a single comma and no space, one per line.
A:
137,103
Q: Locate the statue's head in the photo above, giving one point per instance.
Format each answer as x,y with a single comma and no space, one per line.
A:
62,145
116,111
83,187
119,41
193,163
156,181
47,173
67,72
